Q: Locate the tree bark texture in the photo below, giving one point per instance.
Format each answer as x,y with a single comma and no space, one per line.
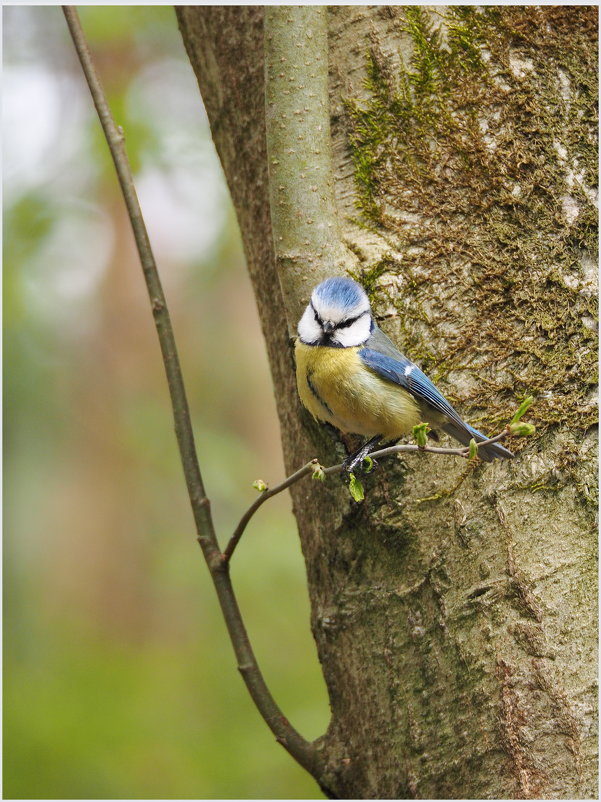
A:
454,611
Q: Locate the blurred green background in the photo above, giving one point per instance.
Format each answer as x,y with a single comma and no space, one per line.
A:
119,680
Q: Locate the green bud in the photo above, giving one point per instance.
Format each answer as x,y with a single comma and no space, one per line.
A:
260,485
420,434
356,488
473,449
522,429
523,408
369,464
318,473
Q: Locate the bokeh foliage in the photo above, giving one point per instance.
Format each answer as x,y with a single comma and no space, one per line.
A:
119,679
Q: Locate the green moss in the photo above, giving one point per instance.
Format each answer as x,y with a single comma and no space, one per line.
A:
369,276
466,157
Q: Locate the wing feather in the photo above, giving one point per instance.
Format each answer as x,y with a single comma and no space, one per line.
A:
402,371
382,357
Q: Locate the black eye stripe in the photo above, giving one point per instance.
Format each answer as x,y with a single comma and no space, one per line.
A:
346,323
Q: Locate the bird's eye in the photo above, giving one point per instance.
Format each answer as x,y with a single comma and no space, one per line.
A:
349,321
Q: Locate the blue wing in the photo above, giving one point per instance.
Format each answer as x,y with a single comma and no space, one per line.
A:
381,356
406,374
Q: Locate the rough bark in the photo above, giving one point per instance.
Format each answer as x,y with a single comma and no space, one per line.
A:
454,610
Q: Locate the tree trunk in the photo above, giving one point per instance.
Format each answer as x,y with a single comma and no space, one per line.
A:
454,610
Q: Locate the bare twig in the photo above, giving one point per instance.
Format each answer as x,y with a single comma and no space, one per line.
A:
265,495
297,746
181,412
313,465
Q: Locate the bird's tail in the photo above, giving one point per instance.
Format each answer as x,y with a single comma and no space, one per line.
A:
464,433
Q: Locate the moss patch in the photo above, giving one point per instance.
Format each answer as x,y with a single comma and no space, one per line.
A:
479,158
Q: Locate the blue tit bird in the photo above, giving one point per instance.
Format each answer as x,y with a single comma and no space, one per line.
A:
349,374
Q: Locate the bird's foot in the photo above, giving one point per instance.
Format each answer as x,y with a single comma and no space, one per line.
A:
357,458
365,463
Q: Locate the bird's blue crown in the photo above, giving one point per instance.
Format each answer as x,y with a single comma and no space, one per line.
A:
340,292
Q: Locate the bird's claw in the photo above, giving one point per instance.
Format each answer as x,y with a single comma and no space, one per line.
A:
358,460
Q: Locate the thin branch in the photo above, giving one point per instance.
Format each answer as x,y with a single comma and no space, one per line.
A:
265,495
181,412
311,467
457,452
296,745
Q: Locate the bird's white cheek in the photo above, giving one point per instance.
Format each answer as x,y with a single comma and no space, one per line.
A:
356,334
309,329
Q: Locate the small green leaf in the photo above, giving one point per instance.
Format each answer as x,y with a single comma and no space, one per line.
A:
260,485
356,488
318,473
369,464
523,408
473,449
522,429
420,434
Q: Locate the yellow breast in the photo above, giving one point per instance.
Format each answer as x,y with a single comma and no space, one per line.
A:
335,386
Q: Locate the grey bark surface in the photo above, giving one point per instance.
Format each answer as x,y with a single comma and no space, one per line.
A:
454,611
307,241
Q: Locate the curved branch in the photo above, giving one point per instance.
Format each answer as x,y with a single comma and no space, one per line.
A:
181,412
303,751
313,466
265,495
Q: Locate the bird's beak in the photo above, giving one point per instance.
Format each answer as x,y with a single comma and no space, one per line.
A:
328,327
